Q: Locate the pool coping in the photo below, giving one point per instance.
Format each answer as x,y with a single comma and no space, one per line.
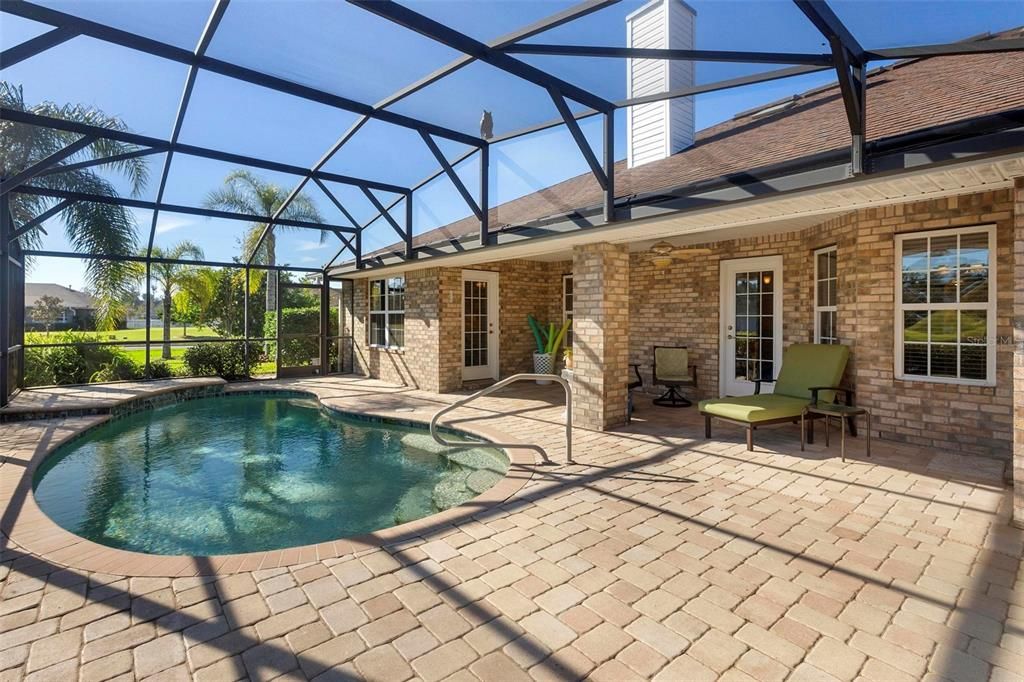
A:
32,530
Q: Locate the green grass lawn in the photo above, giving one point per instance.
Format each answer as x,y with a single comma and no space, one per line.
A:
130,335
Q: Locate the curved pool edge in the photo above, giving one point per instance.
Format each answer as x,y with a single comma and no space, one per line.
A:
31,530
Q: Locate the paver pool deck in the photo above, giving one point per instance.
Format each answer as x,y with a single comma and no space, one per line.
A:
658,554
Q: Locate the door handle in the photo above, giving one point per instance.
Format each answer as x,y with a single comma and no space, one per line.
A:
729,336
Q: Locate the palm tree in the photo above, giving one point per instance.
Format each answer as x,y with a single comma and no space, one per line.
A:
89,227
244,192
172,277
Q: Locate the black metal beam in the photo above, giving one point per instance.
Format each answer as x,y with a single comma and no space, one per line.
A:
446,35
90,163
46,163
672,54
356,242
41,218
569,14
171,261
377,205
6,244
410,252
34,46
156,143
346,136
609,167
453,176
947,49
485,194
849,59
726,84
171,208
345,244
558,19
212,22
130,40
830,26
338,204
580,138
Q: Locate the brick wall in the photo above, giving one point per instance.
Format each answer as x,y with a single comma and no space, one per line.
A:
417,364
432,357
601,318
680,305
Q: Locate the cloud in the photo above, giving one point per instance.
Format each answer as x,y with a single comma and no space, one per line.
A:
168,223
310,245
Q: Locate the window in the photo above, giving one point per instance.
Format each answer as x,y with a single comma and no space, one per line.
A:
387,312
567,307
825,296
946,306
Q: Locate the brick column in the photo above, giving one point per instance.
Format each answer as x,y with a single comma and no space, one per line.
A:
601,335
1018,353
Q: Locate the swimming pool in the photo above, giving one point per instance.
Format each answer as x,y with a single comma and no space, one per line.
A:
246,473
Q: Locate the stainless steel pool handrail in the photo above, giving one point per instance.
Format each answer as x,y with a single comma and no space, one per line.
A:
491,389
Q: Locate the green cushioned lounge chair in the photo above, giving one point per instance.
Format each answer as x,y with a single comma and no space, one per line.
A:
810,373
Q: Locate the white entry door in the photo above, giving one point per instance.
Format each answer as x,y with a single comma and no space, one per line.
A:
479,325
751,334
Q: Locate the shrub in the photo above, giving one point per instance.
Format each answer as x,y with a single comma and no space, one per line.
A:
159,369
77,362
219,359
119,368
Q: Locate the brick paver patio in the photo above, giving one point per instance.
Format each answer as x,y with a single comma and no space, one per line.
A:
659,554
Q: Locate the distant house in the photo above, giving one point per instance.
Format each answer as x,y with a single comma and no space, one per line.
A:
78,312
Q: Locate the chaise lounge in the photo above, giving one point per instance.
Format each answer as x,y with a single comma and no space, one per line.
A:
810,372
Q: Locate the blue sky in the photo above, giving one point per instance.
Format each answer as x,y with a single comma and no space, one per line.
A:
336,47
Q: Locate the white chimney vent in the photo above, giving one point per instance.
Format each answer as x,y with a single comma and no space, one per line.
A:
659,129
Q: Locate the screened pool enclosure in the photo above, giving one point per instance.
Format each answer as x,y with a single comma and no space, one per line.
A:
228,170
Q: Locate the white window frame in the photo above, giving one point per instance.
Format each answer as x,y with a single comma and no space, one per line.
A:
818,309
989,307
386,312
566,310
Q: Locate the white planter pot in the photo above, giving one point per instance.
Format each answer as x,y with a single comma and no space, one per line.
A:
543,363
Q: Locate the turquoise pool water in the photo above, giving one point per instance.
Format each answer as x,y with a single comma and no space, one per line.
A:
246,473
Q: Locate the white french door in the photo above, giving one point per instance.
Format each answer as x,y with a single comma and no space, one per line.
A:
479,325
751,334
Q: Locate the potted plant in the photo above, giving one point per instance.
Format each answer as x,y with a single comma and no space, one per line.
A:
548,342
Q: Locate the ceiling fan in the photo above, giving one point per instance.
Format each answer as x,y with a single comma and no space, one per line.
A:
663,253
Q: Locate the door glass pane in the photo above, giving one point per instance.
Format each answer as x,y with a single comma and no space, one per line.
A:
767,281
741,283
475,337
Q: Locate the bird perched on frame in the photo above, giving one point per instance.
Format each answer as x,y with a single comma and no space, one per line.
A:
486,125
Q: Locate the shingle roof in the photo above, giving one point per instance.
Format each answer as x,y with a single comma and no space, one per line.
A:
902,98
71,298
